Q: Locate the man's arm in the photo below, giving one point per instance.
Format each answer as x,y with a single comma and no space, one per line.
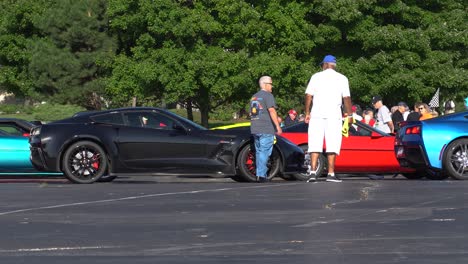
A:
308,103
348,107
274,118
391,126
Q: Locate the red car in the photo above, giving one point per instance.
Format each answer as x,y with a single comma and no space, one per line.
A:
366,150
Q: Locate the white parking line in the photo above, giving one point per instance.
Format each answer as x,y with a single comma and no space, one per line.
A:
20,250
143,196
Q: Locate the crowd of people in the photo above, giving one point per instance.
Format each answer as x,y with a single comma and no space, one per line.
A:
380,117
327,102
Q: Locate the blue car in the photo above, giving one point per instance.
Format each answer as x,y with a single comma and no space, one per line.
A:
14,148
438,146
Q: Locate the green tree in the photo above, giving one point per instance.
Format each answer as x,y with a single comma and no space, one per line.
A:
55,49
211,52
208,53
17,34
402,50
70,57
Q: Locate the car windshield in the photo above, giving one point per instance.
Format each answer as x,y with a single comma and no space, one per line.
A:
361,129
197,126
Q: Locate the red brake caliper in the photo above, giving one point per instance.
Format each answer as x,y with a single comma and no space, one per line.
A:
96,163
249,162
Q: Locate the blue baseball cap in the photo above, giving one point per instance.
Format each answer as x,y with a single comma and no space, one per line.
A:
329,59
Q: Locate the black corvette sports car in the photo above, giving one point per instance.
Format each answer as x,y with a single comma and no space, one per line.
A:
150,141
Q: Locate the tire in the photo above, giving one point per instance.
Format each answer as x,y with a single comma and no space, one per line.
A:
455,162
247,168
84,162
321,165
107,178
414,176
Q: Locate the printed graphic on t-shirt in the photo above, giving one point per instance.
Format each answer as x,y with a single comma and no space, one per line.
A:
256,108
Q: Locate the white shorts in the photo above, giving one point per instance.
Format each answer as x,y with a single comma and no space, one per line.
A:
328,129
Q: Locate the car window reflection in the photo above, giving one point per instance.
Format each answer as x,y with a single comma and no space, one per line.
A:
149,120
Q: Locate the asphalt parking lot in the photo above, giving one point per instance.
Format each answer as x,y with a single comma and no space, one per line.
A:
204,220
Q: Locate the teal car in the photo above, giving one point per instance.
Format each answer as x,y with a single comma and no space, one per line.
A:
14,148
15,152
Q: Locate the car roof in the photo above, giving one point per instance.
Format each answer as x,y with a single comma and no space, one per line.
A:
19,122
86,116
93,112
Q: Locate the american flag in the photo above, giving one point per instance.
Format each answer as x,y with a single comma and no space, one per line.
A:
435,99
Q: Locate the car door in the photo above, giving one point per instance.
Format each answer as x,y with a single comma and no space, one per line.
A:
366,150
14,154
155,142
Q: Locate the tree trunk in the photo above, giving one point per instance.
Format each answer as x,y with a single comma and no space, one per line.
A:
205,115
188,106
204,104
95,101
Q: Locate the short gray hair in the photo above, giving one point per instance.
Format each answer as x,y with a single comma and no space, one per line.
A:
264,79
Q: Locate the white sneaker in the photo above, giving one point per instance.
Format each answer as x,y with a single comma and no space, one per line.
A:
312,176
333,178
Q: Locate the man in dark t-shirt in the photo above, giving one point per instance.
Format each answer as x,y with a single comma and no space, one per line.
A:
264,121
415,115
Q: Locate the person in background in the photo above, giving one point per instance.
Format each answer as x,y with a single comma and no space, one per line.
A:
415,115
356,115
404,110
425,112
301,118
325,94
264,123
384,119
291,118
368,117
449,107
398,115
466,103
144,121
356,112
280,121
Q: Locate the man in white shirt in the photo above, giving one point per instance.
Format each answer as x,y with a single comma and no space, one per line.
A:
384,118
325,93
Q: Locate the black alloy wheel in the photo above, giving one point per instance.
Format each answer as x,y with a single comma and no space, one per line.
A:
455,162
247,167
84,162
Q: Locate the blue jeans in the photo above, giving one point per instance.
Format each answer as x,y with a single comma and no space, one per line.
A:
263,149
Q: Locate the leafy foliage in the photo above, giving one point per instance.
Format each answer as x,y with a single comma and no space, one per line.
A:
59,45
209,54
